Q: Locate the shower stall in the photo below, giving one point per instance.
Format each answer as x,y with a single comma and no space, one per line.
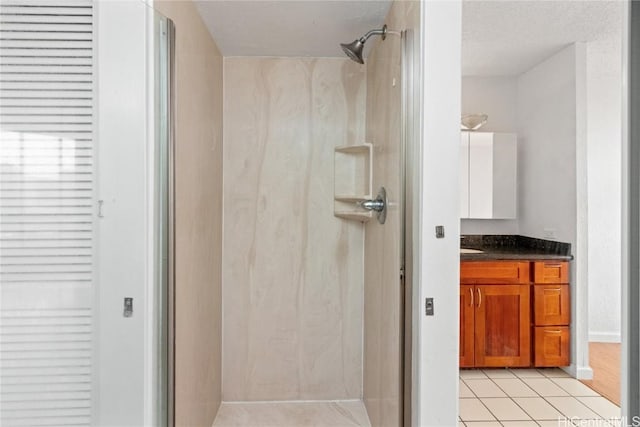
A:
314,289
171,252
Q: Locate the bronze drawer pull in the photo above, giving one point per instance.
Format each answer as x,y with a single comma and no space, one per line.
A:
552,289
479,298
557,331
471,294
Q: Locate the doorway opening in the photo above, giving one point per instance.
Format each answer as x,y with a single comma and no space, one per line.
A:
558,95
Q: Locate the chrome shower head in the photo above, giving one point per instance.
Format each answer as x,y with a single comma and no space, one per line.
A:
354,49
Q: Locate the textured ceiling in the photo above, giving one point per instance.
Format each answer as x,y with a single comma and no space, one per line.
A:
506,38
289,28
499,37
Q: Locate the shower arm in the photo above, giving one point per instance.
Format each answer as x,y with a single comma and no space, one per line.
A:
381,32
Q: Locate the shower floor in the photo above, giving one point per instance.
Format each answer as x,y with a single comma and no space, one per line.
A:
340,413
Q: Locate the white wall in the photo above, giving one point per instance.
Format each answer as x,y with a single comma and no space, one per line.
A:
437,346
551,112
497,98
494,96
547,133
604,139
124,229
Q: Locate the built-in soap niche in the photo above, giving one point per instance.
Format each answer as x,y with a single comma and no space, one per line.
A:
352,181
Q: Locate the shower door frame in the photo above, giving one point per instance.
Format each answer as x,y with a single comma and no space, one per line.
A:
171,276
166,344
409,228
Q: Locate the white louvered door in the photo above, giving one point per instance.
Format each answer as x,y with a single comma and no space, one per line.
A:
46,212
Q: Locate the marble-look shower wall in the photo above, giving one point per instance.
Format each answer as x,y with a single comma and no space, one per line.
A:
198,169
292,272
383,382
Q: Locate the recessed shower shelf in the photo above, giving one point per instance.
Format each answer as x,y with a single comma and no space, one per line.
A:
354,199
356,216
353,149
352,181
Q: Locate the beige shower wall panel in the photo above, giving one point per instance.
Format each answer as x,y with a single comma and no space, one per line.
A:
292,271
198,163
383,379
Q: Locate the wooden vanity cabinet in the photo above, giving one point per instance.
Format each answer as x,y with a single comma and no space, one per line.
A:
495,314
467,326
552,316
514,314
502,326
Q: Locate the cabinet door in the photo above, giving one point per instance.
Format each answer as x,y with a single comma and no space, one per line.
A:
481,175
467,308
551,272
505,175
502,326
494,272
464,175
552,346
551,305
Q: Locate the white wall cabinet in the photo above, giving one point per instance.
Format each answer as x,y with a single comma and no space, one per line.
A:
488,175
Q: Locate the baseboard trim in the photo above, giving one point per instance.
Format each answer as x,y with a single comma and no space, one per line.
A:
612,337
579,372
584,373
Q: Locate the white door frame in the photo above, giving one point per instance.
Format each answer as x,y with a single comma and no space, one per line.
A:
435,391
630,369
436,274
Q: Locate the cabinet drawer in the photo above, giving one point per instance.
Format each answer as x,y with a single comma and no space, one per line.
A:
551,272
494,272
551,305
551,346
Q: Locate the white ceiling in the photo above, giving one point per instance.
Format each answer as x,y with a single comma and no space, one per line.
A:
506,38
499,37
290,27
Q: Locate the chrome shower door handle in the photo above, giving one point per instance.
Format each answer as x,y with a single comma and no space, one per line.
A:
379,205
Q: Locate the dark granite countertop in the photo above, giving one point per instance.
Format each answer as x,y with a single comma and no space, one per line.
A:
513,247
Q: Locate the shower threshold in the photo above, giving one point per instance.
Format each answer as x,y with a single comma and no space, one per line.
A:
334,413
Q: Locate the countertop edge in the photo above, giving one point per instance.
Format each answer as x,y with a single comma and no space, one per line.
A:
489,256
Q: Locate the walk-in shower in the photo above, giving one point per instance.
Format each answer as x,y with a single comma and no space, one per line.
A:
354,49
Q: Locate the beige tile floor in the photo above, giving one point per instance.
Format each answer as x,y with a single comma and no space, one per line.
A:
530,397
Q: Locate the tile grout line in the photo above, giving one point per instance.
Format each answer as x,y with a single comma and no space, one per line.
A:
501,397
566,416
481,402
575,397
507,396
513,400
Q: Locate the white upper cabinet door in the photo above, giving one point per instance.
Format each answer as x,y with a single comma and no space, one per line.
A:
481,175
505,175
464,175
488,175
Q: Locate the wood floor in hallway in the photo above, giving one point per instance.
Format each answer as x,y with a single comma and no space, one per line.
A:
604,359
